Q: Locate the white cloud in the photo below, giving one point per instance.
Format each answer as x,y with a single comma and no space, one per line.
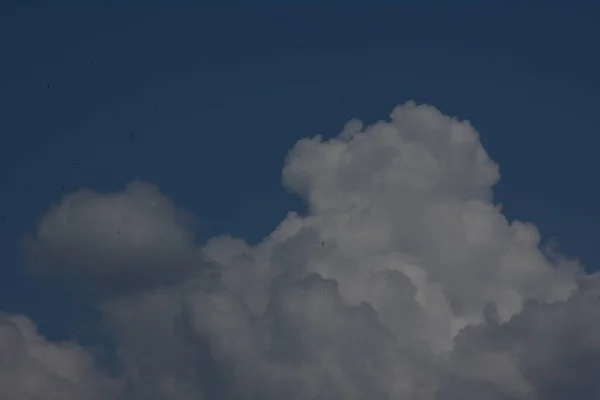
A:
402,281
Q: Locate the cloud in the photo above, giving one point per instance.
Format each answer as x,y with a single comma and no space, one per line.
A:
34,368
115,241
548,351
402,280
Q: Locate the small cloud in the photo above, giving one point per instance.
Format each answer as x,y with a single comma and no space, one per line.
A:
114,241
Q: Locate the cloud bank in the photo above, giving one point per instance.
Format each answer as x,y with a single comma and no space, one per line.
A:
403,280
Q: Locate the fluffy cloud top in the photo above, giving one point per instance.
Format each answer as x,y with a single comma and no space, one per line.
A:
402,281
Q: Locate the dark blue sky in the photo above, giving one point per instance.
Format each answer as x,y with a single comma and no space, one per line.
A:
206,101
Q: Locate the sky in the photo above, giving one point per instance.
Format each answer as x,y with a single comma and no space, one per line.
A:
191,209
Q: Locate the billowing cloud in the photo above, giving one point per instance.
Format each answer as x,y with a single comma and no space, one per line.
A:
403,280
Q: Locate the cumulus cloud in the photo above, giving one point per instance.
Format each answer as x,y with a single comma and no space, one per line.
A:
402,280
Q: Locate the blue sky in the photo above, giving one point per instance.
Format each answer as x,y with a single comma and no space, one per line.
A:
205,102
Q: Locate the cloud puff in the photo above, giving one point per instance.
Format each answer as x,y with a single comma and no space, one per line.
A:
33,368
403,280
114,241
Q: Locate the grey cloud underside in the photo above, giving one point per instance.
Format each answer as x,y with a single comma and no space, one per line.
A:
402,281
